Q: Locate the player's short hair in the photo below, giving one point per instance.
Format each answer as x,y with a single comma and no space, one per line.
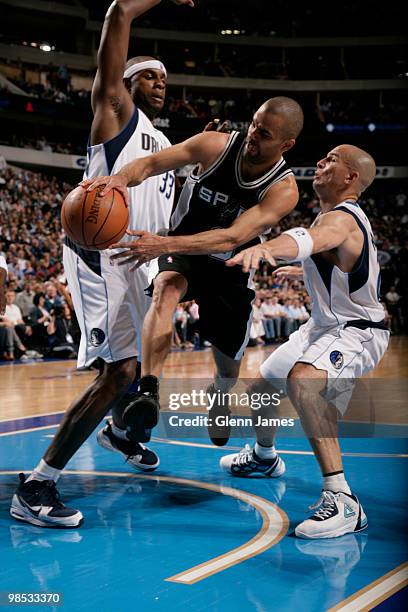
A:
290,111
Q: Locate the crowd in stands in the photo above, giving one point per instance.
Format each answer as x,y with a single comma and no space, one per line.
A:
56,88
191,112
286,19
351,111
40,320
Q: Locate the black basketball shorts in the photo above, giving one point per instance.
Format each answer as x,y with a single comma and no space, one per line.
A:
223,296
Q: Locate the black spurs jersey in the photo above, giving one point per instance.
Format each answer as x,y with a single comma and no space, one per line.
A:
215,198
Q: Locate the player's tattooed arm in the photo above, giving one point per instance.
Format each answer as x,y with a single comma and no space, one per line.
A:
111,102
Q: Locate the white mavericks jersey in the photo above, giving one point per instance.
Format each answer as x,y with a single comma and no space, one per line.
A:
338,297
150,203
109,300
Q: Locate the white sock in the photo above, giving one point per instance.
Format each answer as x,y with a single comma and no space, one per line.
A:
43,471
118,432
336,483
265,452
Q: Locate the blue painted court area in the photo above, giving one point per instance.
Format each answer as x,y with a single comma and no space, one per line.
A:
139,532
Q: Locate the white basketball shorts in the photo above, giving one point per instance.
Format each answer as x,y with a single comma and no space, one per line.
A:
344,353
110,305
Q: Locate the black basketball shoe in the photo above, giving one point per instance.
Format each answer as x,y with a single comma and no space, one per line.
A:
138,455
142,414
38,502
219,428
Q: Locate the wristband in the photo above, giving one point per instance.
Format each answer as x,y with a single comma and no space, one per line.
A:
303,240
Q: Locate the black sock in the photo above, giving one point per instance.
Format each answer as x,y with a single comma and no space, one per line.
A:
149,384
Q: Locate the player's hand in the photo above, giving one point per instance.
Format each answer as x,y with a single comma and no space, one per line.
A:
115,181
147,247
250,258
289,272
188,2
216,126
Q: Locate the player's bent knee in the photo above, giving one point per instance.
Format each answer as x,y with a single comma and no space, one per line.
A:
305,384
168,289
304,371
262,385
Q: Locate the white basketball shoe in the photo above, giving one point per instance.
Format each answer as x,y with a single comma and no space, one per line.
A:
336,514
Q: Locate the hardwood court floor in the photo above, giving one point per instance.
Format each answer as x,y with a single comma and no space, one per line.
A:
190,536
40,388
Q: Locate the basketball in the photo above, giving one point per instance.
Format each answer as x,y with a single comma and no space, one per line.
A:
94,222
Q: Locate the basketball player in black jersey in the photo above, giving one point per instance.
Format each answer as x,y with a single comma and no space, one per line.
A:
240,188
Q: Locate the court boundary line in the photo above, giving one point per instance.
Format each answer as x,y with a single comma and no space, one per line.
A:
224,448
375,592
31,416
278,450
43,414
28,430
275,523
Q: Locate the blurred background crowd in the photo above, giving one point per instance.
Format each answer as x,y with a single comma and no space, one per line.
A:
40,321
347,67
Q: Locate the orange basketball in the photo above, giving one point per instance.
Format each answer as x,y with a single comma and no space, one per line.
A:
94,222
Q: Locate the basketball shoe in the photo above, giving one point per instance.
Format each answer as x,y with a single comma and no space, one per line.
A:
38,502
219,428
247,463
336,514
138,455
142,414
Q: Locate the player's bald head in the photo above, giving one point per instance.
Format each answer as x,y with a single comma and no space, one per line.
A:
359,161
289,111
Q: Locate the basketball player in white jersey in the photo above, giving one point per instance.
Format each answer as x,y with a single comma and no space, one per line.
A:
345,337
240,188
110,303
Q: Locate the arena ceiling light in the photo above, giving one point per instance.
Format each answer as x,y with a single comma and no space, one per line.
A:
44,46
234,31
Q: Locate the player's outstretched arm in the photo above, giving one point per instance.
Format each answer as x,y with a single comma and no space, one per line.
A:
203,148
330,232
111,102
279,201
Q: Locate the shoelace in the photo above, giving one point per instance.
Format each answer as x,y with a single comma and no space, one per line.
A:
50,496
245,455
325,505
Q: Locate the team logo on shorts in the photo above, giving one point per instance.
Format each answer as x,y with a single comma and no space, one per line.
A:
337,359
96,337
169,259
